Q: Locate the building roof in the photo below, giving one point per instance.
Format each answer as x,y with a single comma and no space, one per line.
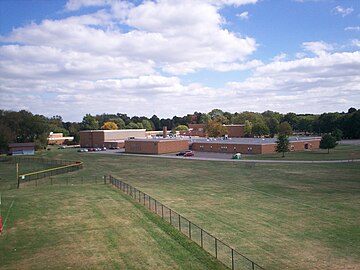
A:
157,140
256,141
16,147
114,130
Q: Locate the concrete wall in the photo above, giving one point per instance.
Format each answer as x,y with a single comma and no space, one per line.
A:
155,147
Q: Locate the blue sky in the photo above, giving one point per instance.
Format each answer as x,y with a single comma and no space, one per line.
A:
176,57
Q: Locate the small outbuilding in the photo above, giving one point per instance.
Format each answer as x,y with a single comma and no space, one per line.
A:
18,149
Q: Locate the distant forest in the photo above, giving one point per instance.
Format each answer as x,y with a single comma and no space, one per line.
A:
23,126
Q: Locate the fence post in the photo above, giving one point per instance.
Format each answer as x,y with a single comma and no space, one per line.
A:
162,211
179,223
189,229
216,250
253,265
149,203
232,259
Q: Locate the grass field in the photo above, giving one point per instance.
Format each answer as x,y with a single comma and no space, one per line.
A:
282,216
92,227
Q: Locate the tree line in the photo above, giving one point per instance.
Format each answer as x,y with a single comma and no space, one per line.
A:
23,126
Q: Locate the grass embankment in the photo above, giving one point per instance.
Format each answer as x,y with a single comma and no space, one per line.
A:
294,216
92,227
340,152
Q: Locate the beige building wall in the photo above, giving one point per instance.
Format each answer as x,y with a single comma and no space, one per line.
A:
97,138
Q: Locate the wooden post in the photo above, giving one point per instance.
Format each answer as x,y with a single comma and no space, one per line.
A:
17,175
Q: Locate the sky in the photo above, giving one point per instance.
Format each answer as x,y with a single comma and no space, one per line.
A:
170,57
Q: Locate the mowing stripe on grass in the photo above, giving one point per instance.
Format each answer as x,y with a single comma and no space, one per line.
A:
283,198
7,215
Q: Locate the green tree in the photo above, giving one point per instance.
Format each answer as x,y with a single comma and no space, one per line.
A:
285,129
203,118
118,121
147,124
89,122
282,144
215,129
156,122
337,133
260,129
181,128
292,119
251,116
109,126
247,128
133,125
328,142
273,125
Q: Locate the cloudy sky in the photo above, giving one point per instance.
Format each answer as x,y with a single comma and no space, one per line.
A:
171,57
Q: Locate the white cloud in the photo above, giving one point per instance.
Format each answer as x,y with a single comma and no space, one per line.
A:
318,47
126,58
233,2
352,28
305,85
244,15
73,5
355,42
279,57
342,11
178,37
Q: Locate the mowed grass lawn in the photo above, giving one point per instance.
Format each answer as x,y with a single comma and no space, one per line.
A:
282,216
90,227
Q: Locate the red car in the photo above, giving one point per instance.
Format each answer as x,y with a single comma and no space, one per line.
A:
189,154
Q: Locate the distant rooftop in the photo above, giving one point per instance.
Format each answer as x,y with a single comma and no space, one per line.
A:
113,130
258,141
159,139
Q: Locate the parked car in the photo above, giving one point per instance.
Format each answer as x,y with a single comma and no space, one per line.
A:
103,148
188,154
183,152
82,150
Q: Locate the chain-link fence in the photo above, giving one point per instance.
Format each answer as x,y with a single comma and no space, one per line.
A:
26,177
221,251
52,167
67,181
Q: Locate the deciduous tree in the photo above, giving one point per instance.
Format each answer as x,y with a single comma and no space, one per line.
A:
285,129
282,144
328,142
109,126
